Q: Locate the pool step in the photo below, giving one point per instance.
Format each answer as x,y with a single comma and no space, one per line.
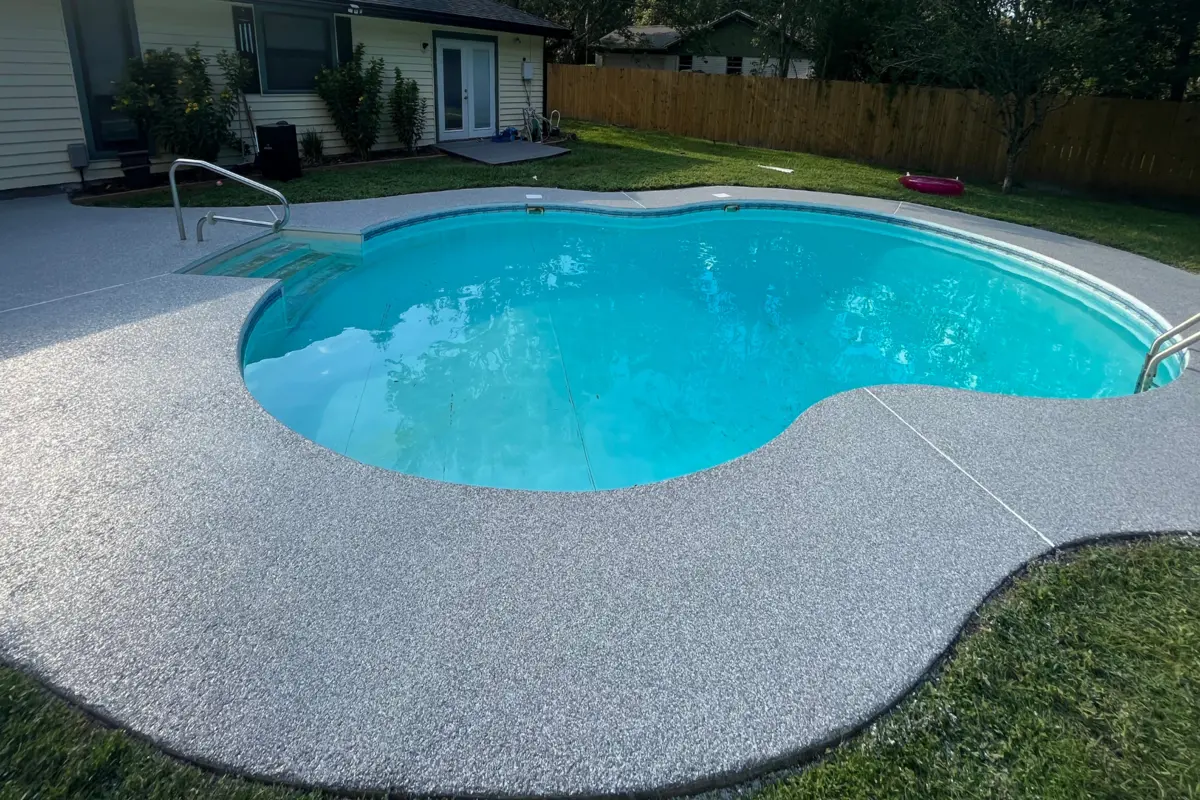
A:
289,265
300,291
254,263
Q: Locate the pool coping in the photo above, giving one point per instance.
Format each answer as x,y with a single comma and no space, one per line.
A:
873,497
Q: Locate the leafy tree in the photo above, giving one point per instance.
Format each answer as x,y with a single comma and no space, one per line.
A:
238,71
846,36
353,93
785,29
1024,55
839,36
1143,48
783,32
588,20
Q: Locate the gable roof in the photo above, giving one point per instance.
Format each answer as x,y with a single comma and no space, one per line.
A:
485,14
661,37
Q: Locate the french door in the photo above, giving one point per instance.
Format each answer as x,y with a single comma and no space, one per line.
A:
466,101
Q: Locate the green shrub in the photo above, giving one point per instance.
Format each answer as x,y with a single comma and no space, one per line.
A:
239,74
353,92
171,98
407,109
313,145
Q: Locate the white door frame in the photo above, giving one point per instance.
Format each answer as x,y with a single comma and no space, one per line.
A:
474,55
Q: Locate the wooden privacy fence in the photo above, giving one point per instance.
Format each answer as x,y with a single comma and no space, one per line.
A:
1138,146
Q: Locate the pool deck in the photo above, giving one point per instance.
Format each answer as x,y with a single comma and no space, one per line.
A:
178,561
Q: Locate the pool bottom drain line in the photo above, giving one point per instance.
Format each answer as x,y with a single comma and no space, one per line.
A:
571,399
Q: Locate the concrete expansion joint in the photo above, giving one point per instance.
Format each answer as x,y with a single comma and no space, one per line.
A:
633,199
961,469
81,294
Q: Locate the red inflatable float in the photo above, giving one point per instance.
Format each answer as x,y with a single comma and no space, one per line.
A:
931,185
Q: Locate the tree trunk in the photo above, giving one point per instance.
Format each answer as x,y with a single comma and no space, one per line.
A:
1010,170
1183,55
785,55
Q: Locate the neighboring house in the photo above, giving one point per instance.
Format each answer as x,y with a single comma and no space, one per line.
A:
478,63
726,47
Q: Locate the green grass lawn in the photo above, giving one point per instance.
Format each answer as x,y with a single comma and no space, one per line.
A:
1081,680
617,159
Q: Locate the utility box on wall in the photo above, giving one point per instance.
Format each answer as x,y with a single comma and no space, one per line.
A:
527,70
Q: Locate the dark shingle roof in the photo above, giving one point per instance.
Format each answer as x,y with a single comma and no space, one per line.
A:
486,14
641,37
659,37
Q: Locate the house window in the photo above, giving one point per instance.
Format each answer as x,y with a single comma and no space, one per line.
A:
101,34
685,63
733,65
295,47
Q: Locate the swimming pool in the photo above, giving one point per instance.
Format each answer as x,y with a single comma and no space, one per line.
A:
576,351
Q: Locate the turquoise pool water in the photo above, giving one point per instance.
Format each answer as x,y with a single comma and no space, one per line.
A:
572,351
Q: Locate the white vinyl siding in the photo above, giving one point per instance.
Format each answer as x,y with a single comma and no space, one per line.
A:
399,44
305,111
638,61
712,65
177,25
515,94
39,104
798,67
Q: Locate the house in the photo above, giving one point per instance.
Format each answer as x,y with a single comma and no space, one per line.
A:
478,63
725,47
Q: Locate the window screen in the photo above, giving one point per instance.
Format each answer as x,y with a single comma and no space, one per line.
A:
295,49
733,65
685,63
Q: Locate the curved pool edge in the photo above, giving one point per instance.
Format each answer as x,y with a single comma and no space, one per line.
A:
1099,296
843,489
1150,318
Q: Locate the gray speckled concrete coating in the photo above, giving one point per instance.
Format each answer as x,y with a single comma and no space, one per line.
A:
174,558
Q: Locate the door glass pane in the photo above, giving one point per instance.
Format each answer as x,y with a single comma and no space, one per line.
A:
295,49
104,38
452,89
481,89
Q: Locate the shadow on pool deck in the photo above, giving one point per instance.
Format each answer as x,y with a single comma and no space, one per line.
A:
26,329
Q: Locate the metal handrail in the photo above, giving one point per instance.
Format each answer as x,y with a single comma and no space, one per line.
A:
1154,357
212,217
